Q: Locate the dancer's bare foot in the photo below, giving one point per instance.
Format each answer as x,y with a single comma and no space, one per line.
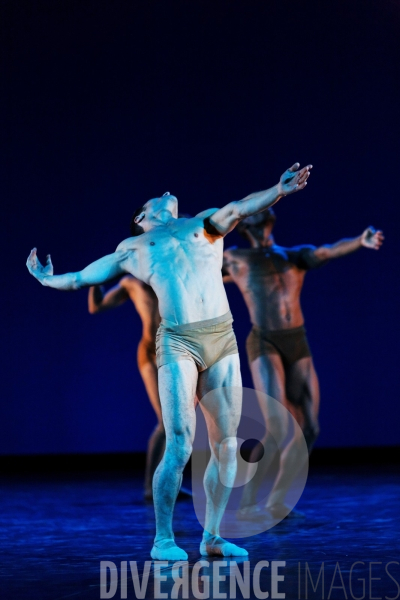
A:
281,511
214,545
167,550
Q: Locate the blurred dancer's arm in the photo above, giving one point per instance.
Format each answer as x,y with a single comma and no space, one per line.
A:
311,257
98,301
370,238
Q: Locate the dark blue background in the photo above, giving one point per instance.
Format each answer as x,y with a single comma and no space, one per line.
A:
106,104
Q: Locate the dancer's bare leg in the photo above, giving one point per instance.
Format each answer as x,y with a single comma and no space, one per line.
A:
155,451
303,402
302,391
268,377
156,443
177,384
222,411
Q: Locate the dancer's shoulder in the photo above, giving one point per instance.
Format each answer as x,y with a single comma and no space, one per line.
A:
206,213
128,244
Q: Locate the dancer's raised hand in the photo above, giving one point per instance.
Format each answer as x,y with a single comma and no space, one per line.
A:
293,179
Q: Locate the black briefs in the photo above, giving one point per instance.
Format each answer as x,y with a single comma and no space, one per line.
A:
290,344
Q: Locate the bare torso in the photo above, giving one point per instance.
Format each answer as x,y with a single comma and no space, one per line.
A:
146,303
182,263
271,284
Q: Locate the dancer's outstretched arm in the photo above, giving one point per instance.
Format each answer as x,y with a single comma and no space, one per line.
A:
370,238
293,180
98,272
99,301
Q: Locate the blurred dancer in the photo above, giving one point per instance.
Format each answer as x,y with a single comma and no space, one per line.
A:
270,278
146,303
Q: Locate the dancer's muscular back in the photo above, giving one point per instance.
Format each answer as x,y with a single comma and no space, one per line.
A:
142,297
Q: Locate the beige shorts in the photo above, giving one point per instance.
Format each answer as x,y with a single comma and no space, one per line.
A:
203,342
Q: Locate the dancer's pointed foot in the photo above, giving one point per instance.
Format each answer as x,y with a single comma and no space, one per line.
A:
214,545
281,511
166,549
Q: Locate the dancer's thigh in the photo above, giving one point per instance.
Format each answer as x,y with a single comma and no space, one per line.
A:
222,408
177,388
303,392
269,377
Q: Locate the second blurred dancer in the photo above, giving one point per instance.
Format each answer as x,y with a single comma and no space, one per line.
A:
146,304
271,278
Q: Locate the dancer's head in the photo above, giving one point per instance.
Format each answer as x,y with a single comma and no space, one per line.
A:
145,217
258,227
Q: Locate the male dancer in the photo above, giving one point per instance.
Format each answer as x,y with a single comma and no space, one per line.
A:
270,278
196,348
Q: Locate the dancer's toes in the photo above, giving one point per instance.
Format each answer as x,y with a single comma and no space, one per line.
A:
217,546
167,550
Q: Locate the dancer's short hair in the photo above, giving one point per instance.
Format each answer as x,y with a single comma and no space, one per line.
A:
135,228
261,219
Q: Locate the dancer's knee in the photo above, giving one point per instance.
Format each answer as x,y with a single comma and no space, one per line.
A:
226,450
178,450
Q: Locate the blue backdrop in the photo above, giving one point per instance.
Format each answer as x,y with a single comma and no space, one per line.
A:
106,104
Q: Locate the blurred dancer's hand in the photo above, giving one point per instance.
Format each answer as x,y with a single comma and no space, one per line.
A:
372,239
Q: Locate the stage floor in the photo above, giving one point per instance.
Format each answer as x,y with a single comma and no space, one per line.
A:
56,530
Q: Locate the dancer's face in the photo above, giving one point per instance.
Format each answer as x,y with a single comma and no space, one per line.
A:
167,203
258,226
